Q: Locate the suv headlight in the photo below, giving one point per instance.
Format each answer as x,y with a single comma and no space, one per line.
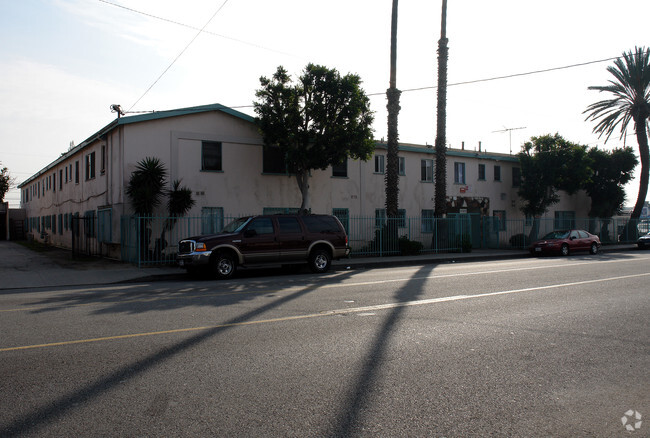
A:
200,247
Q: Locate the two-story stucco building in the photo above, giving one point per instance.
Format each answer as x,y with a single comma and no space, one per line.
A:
218,153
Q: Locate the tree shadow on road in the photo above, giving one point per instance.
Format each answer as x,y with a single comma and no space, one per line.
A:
349,419
51,411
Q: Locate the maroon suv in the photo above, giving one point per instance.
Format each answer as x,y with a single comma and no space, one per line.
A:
266,239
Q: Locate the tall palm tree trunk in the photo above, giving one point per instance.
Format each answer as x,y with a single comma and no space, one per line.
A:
441,131
644,153
393,95
392,159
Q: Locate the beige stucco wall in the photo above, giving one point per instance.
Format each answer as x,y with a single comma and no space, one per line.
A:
242,187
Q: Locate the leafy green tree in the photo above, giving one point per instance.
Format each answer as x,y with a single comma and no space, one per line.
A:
321,120
6,183
550,163
611,171
630,90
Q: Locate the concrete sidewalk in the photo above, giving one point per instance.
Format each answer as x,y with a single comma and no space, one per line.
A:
22,268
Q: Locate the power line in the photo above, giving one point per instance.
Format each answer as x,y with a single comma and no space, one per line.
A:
196,28
514,75
180,54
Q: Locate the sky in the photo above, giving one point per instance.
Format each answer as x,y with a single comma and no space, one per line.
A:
63,63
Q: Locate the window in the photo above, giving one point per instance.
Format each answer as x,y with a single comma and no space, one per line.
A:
499,220
516,177
273,160
61,179
76,172
427,221
481,172
340,170
54,182
289,225
211,220
343,215
379,164
497,173
211,155
261,226
102,165
426,170
66,174
564,220
321,224
90,166
53,224
459,173
402,166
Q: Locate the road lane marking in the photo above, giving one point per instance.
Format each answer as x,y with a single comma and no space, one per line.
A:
363,309
324,286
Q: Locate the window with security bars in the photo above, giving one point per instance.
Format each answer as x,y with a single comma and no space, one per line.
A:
211,158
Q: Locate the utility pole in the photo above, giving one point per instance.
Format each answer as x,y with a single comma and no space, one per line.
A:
509,131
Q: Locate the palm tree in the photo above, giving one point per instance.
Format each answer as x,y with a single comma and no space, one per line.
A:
393,94
631,101
392,158
146,186
441,131
144,190
179,202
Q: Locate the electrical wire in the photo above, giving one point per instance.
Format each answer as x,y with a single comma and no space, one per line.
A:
179,55
196,28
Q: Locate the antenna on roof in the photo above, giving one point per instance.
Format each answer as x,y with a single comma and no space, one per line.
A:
509,131
115,108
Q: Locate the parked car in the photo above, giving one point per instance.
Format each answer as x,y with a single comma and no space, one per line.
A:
265,240
644,241
565,242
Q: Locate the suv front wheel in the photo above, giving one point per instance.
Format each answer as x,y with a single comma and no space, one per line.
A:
320,260
224,265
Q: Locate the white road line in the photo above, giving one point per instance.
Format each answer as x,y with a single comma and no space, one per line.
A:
467,297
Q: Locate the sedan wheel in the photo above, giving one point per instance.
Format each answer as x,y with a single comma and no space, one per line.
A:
565,250
594,248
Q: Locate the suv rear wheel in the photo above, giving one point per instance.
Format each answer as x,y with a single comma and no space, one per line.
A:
224,265
320,260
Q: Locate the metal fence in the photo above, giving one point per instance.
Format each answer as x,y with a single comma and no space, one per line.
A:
154,240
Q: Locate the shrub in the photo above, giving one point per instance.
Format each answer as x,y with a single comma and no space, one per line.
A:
409,247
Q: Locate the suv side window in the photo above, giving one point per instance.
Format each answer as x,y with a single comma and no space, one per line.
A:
321,224
289,225
261,225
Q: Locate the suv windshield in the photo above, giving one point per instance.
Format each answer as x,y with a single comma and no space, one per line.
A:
236,225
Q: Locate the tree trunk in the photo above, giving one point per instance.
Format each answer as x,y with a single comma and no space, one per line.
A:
302,178
441,134
393,95
644,155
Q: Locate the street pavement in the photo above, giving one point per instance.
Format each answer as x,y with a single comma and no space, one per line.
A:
21,267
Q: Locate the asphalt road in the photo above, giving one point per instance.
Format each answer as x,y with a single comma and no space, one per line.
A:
530,347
